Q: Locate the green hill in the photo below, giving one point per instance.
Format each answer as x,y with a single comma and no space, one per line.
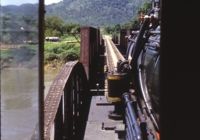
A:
84,12
95,12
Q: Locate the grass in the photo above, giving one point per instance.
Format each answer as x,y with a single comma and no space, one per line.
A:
70,38
55,53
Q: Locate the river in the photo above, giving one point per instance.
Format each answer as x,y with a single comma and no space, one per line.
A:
19,101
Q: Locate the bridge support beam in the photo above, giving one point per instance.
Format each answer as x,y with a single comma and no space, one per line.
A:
90,42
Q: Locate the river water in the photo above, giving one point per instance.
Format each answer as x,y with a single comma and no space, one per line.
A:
19,101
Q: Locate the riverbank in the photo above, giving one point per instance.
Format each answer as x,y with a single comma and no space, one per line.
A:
53,66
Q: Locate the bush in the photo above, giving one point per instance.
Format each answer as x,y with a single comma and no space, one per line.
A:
61,51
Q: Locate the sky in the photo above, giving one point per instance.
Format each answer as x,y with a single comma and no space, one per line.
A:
19,2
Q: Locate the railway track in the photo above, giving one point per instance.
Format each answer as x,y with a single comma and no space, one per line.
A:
112,54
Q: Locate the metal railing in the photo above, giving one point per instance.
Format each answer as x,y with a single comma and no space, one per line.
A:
66,105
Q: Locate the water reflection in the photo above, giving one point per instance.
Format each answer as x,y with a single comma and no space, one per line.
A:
19,103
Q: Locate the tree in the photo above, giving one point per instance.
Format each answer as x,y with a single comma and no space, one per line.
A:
135,23
54,26
117,28
71,28
145,8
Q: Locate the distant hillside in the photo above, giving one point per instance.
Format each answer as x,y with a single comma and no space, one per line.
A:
84,12
24,9
95,12
15,19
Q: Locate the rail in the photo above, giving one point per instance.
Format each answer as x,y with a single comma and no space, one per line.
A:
113,54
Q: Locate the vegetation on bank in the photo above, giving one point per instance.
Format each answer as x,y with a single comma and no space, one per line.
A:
55,53
55,26
61,51
68,46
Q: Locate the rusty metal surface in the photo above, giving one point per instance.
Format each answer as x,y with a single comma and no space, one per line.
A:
85,48
90,42
54,96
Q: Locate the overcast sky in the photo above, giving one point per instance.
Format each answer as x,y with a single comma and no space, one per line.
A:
19,2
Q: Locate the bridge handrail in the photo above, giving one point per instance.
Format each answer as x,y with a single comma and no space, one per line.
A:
54,99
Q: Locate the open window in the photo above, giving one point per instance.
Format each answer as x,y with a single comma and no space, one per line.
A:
21,69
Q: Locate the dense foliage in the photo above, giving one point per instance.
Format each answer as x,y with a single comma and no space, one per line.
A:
68,47
55,26
61,51
134,22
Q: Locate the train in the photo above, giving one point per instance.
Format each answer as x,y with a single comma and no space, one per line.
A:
143,55
140,70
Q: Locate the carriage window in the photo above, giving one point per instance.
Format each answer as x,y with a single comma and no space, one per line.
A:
19,69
